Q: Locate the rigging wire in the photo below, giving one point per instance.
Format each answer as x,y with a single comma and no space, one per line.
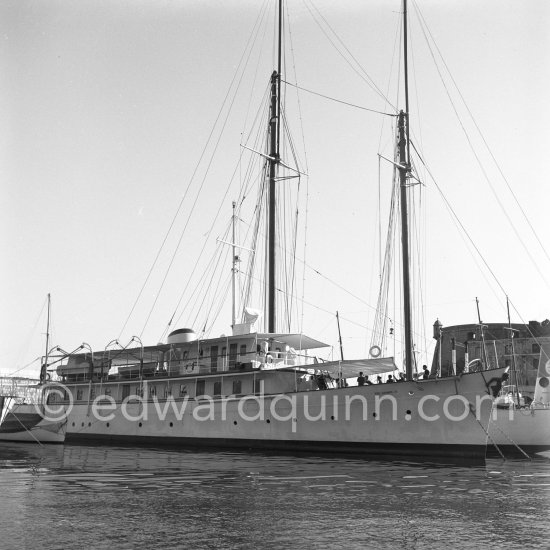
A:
421,17
480,164
27,340
242,63
339,100
362,73
197,263
306,165
455,216
195,170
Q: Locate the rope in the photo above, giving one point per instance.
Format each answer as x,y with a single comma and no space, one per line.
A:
361,73
339,100
26,429
421,17
485,175
508,438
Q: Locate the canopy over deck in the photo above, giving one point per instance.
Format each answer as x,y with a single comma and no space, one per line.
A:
296,341
352,367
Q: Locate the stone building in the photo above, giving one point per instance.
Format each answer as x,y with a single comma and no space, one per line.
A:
490,344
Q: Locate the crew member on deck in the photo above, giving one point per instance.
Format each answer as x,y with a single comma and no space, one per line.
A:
360,379
426,373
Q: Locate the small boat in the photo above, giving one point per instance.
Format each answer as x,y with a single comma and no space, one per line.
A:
522,426
22,415
261,387
520,420
24,410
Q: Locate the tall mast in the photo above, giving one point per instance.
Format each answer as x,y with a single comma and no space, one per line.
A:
514,379
485,358
404,168
233,272
44,366
48,330
274,137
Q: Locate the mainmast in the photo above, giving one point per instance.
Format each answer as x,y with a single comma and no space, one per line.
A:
274,157
404,169
233,271
43,368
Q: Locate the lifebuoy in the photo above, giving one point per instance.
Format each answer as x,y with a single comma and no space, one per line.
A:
375,351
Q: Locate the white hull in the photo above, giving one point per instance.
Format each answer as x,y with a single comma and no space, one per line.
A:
44,431
387,418
528,429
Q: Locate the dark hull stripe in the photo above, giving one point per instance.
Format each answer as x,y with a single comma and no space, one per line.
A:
513,451
14,423
380,449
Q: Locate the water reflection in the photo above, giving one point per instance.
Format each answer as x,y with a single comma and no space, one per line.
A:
127,497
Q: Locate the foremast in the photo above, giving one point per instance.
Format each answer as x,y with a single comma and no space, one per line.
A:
404,168
274,159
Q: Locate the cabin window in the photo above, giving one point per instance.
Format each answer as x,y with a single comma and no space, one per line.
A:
185,354
242,351
152,390
237,387
535,348
214,358
92,394
257,386
107,391
217,388
508,349
167,392
125,391
79,395
183,390
536,363
232,355
201,384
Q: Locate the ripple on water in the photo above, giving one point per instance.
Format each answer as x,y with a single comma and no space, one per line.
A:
139,498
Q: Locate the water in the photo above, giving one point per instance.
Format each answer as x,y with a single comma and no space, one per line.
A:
125,497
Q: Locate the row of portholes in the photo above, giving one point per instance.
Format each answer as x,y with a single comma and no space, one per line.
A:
83,424
268,421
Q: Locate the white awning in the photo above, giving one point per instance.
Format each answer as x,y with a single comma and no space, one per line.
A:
296,341
351,368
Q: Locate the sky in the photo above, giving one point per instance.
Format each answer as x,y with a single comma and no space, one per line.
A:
107,107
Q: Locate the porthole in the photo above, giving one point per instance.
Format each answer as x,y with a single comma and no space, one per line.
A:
332,417
374,415
107,424
235,422
140,424
74,424
171,424
268,421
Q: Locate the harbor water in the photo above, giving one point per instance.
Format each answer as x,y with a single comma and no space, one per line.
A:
131,497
